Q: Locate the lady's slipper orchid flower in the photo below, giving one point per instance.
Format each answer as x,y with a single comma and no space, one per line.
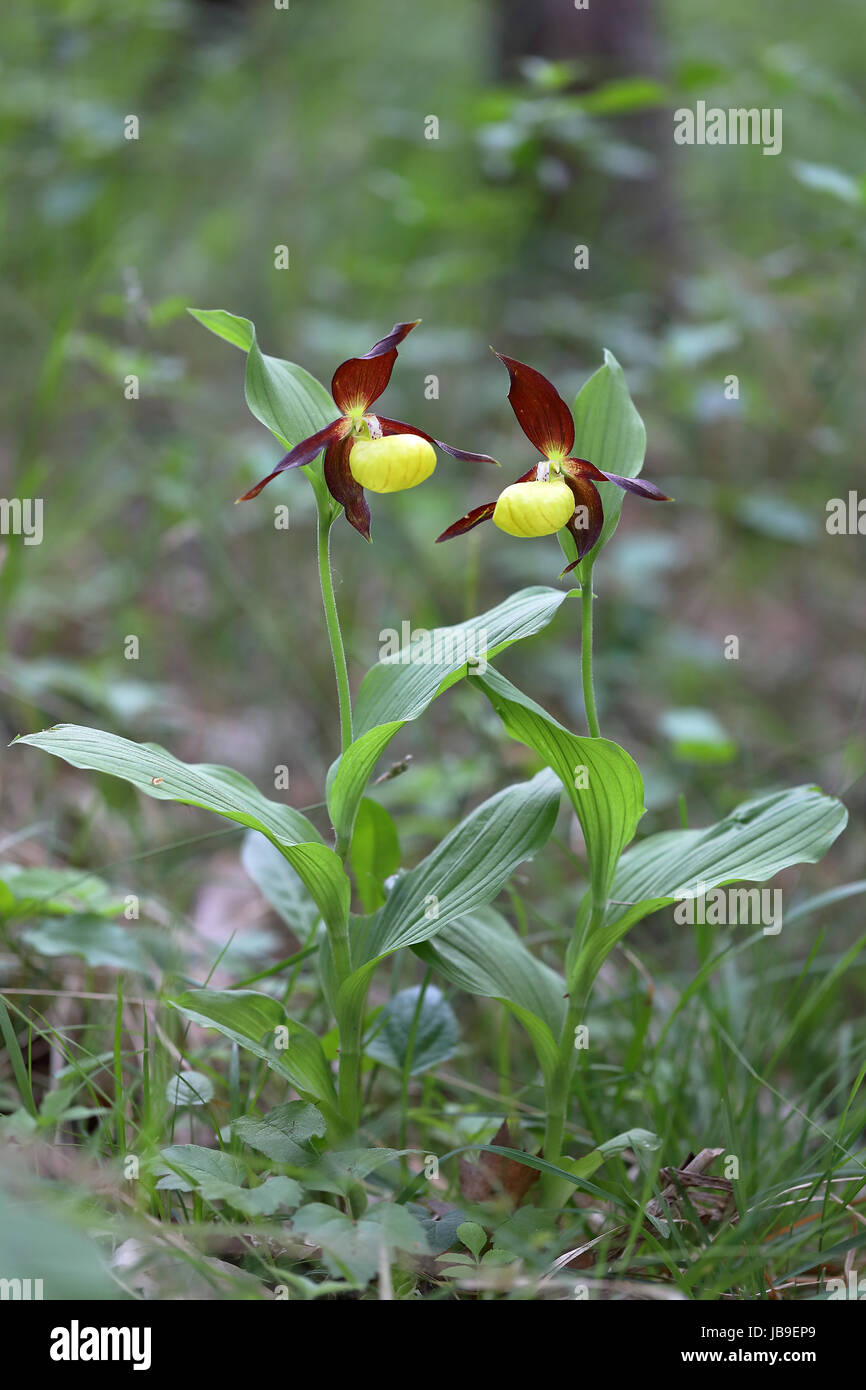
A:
559,490
364,450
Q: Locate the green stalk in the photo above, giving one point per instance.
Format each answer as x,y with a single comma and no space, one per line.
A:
407,1071
559,1086
556,1191
586,652
332,621
349,1022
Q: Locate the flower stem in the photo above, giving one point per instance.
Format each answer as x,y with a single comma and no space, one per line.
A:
350,1020
559,1087
586,653
332,620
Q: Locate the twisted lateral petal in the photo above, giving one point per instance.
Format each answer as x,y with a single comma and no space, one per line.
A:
639,486
343,488
542,414
397,427
467,522
482,513
360,381
587,519
302,453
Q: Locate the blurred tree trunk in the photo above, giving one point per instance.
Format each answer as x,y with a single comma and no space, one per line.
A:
609,40
620,35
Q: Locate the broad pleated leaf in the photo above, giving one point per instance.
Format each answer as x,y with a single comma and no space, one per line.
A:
397,690
610,433
285,397
375,852
279,883
609,806
250,1019
752,844
234,329
290,402
219,789
464,872
481,954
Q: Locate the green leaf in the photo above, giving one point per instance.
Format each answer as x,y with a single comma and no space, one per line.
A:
189,1088
466,870
247,1017
102,944
375,853
285,397
481,954
284,1133
219,789
697,736
279,883
235,330
623,95
825,178
756,841
400,1229
194,1167
473,1236
218,1177
274,1194
603,783
353,1249
39,1239
282,395
588,1163
358,1164
611,434
55,892
431,1032
340,1171
349,774
350,1251
399,689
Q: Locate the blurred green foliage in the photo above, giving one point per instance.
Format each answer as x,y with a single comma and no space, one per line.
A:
306,128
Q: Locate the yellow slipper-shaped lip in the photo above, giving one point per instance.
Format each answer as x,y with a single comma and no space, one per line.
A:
391,464
535,508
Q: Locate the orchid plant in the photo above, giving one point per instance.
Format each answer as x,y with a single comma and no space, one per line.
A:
366,904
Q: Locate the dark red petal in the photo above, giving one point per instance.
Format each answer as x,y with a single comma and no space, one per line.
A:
302,453
543,415
397,427
582,468
483,513
343,488
585,495
638,486
467,522
530,476
360,381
